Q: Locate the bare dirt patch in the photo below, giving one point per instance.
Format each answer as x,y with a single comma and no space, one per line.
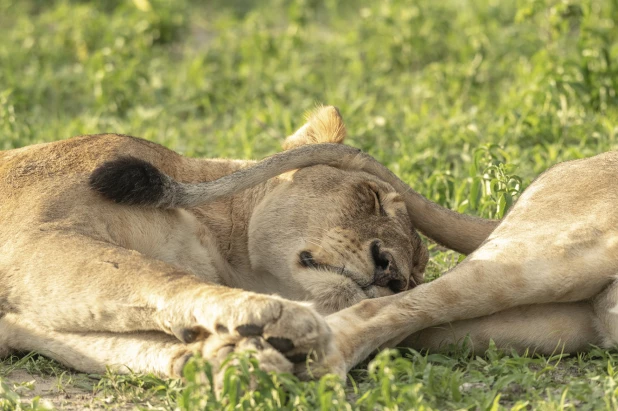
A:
67,391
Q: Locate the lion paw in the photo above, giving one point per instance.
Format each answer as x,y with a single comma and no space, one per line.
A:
281,332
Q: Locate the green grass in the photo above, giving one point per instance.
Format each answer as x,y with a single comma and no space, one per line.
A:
466,100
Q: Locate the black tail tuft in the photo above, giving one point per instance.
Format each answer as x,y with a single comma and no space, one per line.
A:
129,180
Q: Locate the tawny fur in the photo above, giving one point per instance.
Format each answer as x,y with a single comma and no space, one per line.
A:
324,125
93,284
544,280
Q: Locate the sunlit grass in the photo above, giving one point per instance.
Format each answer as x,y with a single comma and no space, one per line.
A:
467,101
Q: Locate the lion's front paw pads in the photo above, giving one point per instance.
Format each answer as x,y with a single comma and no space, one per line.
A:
292,329
282,333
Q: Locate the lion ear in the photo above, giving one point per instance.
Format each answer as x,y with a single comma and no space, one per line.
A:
324,125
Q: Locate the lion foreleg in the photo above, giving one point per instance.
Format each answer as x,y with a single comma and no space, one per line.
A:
100,288
76,283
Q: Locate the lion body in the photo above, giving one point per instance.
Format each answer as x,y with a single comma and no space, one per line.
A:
544,280
91,282
96,283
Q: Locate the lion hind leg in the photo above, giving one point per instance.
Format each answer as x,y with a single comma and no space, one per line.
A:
475,288
539,328
142,352
139,352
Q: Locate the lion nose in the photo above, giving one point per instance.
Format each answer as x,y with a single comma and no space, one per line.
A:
386,273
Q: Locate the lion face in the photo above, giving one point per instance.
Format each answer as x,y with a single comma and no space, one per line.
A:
335,237
331,236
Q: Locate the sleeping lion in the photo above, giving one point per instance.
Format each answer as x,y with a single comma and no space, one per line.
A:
117,252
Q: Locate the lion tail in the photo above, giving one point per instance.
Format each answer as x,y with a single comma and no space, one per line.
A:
129,180
132,181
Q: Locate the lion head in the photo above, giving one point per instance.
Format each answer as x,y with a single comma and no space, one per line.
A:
333,236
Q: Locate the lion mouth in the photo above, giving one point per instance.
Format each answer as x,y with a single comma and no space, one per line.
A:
307,261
